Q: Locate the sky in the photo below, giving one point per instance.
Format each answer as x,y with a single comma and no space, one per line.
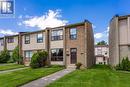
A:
32,15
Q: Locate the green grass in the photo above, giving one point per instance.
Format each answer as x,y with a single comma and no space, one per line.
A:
97,76
10,66
17,78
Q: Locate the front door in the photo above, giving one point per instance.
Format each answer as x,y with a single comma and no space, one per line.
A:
73,52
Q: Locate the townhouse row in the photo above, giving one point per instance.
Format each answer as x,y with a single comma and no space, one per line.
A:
66,45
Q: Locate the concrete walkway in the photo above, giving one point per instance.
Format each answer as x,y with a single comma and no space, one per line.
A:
6,71
42,82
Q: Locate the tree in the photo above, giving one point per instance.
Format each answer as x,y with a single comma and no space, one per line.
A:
102,43
16,56
4,56
39,59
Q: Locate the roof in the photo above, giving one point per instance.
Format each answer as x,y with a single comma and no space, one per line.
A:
32,32
120,17
1,37
101,45
66,26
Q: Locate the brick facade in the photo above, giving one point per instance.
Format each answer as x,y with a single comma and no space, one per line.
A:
84,44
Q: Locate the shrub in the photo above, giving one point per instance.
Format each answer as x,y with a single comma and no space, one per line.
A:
78,65
124,65
34,61
4,56
39,59
16,57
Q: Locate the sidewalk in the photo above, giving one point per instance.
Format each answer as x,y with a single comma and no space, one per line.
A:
42,82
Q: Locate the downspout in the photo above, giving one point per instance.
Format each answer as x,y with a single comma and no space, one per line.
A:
85,42
47,44
118,39
64,47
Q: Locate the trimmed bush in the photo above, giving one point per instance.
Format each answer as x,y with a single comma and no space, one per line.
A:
78,65
4,56
39,59
124,65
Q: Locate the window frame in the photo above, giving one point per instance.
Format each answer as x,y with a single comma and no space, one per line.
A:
71,35
29,53
99,51
40,38
26,41
57,58
10,39
56,37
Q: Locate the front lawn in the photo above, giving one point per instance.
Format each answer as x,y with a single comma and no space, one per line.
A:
98,76
17,78
10,66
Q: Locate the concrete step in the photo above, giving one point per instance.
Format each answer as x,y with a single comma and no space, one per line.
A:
71,67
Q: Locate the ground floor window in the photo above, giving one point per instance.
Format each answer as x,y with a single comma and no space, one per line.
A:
57,54
28,54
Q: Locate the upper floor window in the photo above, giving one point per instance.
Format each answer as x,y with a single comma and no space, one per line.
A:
39,38
2,42
99,51
57,35
27,39
11,40
73,33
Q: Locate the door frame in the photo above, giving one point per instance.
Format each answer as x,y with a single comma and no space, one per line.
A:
71,56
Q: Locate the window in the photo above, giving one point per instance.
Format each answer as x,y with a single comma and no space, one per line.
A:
73,34
28,54
10,40
2,42
27,39
100,62
99,51
39,38
57,35
57,54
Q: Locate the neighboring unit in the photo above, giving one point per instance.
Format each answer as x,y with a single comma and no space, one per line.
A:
102,54
11,43
2,44
66,45
119,39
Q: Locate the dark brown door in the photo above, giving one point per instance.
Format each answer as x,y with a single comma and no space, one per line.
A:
73,52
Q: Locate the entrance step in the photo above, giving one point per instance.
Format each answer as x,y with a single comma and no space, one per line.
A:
71,67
